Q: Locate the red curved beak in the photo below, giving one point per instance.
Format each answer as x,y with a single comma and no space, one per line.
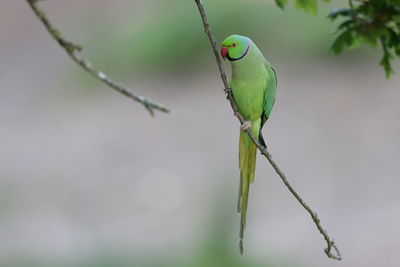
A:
224,52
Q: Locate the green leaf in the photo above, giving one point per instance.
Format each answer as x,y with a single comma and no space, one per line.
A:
393,37
281,3
387,66
344,38
345,24
385,61
339,12
356,42
308,5
369,40
396,18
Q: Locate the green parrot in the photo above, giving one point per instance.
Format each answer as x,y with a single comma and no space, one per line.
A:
253,84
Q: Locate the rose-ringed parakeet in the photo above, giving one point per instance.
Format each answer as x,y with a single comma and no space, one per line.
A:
253,84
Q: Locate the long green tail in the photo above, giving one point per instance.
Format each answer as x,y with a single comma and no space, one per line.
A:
247,164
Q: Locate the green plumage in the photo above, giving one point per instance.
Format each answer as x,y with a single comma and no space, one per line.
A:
253,84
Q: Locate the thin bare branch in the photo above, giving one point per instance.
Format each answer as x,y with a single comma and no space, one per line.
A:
330,243
72,50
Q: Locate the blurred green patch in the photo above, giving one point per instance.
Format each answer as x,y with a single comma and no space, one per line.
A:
214,249
215,246
171,36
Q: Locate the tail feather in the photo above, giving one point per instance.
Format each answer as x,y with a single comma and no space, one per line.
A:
247,164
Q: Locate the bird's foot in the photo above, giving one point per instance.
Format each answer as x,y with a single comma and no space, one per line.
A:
245,126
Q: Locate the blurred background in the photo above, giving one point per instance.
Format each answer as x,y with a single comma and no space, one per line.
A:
88,178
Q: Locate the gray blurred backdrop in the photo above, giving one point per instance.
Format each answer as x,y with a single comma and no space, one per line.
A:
88,178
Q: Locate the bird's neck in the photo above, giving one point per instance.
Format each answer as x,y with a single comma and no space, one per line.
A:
250,65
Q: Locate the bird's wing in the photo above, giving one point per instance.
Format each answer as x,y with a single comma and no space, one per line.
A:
270,91
269,98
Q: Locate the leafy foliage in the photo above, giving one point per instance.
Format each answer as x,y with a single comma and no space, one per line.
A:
308,5
281,3
370,22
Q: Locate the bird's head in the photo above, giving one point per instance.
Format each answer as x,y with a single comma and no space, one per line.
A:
235,47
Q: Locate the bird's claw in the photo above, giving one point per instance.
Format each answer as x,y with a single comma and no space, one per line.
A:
245,126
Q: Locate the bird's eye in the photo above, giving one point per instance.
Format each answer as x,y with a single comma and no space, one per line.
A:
233,45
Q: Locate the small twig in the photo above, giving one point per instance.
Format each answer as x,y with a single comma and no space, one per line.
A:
72,49
263,150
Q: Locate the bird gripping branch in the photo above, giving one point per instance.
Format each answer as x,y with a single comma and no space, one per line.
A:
253,84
